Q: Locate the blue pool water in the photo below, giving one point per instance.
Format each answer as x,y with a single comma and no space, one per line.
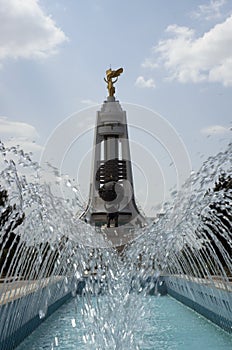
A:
172,326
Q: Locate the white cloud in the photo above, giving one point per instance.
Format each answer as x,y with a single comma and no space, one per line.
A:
142,83
209,11
17,129
215,130
26,145
148,63
191,59
18,133
89,102
26,32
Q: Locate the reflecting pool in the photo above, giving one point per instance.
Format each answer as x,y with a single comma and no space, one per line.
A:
165,324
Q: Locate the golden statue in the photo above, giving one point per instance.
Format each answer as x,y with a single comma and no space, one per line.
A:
110,74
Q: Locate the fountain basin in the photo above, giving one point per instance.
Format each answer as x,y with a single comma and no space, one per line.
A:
24,305
212,299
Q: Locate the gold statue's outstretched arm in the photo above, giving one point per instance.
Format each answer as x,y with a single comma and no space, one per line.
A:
110,74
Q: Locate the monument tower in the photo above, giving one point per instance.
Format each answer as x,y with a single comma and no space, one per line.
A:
111,196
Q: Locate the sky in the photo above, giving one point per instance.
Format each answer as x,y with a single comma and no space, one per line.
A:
176,86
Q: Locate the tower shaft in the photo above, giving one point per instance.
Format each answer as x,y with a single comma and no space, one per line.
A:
111,197
111,206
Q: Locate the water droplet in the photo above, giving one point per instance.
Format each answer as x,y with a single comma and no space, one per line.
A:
68,183
56,341
73,321
77,274
42,314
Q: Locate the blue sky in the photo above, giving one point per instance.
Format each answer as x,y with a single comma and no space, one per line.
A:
176,55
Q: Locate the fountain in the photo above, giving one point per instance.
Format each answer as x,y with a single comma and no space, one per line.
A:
48,255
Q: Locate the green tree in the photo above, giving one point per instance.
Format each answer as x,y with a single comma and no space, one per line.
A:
217,220
10,218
